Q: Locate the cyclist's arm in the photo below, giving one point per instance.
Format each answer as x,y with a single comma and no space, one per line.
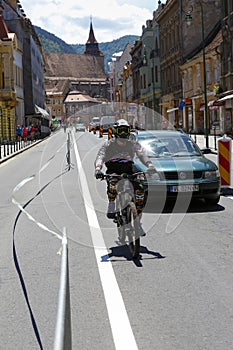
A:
140,152
100,158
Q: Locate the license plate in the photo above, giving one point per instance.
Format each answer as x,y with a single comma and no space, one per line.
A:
184,188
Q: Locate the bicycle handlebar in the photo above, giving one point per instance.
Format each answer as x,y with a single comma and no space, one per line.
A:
124,175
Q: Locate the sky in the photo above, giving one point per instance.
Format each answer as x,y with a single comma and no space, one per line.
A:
70,20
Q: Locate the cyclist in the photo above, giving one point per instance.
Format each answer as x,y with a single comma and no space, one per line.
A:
117,155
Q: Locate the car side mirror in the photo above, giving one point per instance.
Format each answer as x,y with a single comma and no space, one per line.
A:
206,150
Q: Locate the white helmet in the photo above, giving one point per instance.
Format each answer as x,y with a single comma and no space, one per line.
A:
121,128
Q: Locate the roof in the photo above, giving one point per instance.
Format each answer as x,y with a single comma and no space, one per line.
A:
57,86
76,96
74,66
3,29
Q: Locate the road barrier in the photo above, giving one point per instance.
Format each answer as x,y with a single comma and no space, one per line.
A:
101,132
109,133
225,161
63,334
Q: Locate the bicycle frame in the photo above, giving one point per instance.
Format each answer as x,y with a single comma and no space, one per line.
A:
127,219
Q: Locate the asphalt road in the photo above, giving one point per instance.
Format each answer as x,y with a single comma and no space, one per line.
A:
178,296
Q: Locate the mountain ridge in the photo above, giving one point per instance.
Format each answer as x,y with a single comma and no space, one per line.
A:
52,43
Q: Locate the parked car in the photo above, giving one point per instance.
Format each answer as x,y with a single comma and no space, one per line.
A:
182,167
80,127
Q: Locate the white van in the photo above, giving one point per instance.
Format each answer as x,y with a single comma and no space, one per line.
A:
96,122
107,121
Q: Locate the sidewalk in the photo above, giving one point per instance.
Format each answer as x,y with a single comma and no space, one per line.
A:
201,141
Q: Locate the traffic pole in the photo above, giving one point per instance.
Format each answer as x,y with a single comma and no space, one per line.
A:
225,161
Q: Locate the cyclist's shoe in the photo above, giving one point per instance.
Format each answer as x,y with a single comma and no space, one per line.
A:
141,231
111,210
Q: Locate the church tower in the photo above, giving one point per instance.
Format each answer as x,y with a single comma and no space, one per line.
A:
92,47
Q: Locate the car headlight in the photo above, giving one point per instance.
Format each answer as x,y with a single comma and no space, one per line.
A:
212,174
153,176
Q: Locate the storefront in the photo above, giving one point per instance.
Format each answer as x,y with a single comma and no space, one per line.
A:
214,115
226,119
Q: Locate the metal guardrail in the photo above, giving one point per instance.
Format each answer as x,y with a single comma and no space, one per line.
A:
63,333
10,147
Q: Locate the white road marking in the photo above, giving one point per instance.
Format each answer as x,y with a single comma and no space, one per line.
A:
29,216
123,336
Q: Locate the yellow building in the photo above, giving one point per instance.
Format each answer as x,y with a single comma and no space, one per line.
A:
55,96
194,90
8,44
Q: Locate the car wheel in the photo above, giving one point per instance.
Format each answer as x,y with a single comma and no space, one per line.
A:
212,201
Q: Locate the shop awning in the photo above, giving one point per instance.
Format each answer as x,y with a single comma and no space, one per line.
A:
226,97
172,109
42,111
215,104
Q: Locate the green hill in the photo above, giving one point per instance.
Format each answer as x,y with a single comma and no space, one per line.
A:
51,43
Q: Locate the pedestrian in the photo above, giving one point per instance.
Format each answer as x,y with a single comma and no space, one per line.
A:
25,133
19,132
33,131
29,130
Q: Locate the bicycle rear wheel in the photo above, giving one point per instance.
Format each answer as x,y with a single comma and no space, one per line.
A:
133,232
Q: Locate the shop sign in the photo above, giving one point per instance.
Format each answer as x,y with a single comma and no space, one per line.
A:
188,101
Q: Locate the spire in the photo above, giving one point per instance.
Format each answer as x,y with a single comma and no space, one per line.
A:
91,39
92,47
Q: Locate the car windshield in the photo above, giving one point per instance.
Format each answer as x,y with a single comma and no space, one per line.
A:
169,146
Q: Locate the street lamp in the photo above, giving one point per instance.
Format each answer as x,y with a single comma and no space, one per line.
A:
188,18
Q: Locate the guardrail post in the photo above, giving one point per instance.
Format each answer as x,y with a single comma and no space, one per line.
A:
63,334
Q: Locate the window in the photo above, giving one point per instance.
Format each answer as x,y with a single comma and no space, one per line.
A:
198,75
216,71
190,78
208,73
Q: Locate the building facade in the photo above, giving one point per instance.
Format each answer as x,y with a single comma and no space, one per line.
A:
82,73
9,50
30,63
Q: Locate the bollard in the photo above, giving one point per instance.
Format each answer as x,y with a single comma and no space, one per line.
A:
215,139
225,161
109,133
101,131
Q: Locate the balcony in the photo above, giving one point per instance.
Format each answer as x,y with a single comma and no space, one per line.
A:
9,97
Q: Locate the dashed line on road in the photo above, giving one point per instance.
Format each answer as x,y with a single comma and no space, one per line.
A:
123,336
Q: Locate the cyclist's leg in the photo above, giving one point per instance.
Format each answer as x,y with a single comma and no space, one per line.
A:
140,201
111,193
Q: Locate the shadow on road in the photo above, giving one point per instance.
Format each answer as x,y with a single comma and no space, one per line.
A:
122,251
195,206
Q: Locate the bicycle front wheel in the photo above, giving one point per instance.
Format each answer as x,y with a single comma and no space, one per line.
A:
133,231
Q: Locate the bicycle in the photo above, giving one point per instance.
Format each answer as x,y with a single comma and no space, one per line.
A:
126,216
